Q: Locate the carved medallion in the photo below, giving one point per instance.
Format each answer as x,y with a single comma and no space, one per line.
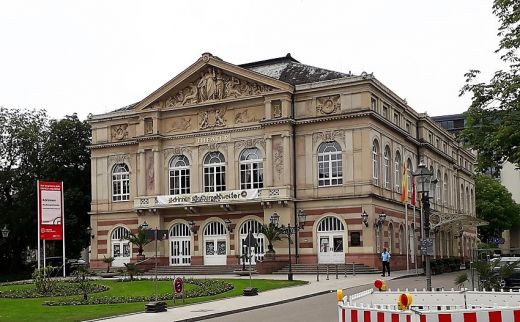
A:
218,119
119,158
120,132
328,104
327,136
213,85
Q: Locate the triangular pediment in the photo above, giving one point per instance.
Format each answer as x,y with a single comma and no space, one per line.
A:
212,80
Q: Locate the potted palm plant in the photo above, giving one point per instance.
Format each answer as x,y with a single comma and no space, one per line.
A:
140,240
272,234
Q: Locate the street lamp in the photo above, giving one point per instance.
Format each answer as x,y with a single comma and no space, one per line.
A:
228,225
378,225
192,227
364,218
424,182
144,225
288,230
5,231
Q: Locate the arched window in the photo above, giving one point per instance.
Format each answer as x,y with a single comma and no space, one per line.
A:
402,240
214,172
409,172
386,165
121,250
445,188
120,182
398,172
438,187
390,237
179,175
256,253
375,162
330,165
251,169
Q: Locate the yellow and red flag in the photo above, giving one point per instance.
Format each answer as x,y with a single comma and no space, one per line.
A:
404,185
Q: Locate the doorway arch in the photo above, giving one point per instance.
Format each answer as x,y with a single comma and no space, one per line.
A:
256,229
180,245
121,250
215,243
331,241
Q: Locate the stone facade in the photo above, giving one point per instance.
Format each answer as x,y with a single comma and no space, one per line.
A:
239,143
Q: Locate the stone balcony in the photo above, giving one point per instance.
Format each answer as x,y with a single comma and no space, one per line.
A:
263,196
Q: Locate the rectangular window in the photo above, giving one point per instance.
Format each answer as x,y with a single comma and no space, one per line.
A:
437,143
408,127
397,119
373,104
444,147
430,137
385,111
355,238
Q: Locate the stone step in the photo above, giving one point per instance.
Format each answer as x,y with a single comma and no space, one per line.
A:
194,270
312,269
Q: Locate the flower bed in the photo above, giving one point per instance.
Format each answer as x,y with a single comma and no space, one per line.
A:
61,289
205,288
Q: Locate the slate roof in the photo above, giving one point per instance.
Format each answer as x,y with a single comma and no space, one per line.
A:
286,69
289,70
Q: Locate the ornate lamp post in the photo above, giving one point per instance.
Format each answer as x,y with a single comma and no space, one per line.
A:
275,220
424,183
364,218
5,231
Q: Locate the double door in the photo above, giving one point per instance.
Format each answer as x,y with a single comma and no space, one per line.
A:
331,249
215,250
180,251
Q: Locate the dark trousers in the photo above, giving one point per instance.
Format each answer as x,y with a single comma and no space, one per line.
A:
386,267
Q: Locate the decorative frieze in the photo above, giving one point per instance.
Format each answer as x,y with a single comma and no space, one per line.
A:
120,131
243,116
118,158
218,120
328,136
179,124
277,109
278,157
169,153
214,85
328,104
250,143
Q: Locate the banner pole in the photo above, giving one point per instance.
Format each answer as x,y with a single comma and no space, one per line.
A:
63,226
38,220
415,242
44,261
407,238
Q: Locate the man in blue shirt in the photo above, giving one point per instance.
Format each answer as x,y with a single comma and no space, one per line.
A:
385,257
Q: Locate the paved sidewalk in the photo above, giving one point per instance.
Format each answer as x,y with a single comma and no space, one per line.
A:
200,311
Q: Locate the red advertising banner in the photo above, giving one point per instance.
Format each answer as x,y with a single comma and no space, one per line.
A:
50,210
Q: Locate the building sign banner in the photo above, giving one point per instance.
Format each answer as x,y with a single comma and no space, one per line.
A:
208,197
50,210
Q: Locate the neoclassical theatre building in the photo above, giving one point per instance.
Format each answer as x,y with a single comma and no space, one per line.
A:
216,151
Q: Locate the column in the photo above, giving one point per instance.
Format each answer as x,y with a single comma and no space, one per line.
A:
195,170
268,169
287,160
157,172
141,181
267,110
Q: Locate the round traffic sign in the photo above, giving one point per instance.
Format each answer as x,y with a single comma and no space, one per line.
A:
178,285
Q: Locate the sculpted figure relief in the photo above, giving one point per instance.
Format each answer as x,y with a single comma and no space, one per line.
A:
213,85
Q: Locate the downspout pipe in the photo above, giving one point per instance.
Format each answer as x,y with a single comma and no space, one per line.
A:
293,126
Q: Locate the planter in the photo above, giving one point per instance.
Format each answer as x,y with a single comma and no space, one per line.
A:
141,258
108,275
270,255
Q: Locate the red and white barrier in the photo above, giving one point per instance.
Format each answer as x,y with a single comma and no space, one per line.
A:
348,314
490,315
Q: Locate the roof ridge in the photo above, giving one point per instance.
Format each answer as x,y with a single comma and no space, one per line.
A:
283,59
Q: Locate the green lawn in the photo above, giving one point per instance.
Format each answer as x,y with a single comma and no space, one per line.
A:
33,310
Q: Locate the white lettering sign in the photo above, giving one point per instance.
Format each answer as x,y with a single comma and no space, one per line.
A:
213,139
208,197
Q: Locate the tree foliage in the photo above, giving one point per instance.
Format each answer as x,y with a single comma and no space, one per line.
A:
140,239
34,147
493,118
495,205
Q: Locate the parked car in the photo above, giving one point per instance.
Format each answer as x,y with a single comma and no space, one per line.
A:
512,281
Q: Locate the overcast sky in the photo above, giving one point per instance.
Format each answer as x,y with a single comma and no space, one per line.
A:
96,56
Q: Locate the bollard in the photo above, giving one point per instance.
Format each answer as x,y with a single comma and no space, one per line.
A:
327,272
353,269
317,273
345,267
336,271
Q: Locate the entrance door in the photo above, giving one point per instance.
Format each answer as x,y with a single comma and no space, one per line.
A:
256,252
331,234
215,244
121,250
180,245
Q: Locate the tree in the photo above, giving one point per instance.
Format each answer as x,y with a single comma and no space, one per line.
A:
140,239
108,260
272,234
34,147
493,119
495,205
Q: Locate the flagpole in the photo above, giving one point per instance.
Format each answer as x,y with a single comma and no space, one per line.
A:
415,242
407,237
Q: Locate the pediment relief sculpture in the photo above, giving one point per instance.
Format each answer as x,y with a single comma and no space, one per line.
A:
217,119
213,85
328,104
120,132
179,124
